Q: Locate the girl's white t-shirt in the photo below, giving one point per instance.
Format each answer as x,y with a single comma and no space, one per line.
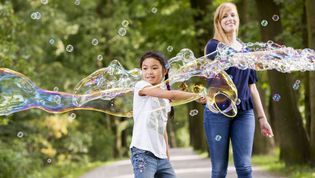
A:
150,116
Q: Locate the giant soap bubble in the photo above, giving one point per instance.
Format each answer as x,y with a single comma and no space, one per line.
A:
110,89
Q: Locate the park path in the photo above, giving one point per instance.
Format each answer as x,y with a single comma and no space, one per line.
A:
186,163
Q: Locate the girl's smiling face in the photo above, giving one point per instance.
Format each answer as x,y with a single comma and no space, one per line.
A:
152,71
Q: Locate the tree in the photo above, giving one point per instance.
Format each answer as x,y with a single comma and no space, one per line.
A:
310,13
293,141
196,129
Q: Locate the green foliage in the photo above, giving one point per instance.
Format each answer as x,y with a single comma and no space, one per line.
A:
15,162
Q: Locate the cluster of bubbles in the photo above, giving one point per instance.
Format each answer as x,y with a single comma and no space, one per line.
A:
122,31
275,18
110,89
36,15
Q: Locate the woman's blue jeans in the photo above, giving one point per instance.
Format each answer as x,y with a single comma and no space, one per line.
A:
146,165
219,131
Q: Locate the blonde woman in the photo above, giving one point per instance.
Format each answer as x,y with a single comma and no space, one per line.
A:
220,130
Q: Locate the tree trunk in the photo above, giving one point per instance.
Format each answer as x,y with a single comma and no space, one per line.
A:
292,137
306,76
310,14
196,129
242,7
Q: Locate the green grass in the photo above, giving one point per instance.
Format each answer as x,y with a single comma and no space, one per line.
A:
271,163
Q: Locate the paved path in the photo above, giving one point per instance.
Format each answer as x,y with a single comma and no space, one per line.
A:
186,163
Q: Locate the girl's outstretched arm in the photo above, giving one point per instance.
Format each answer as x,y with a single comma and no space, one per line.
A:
156,91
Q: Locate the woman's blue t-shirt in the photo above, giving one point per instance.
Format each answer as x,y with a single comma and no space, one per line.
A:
241,78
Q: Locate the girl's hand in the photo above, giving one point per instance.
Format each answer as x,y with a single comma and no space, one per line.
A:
168,153
202,100
265,127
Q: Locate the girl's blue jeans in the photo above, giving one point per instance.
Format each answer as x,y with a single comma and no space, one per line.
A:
219,131
146,165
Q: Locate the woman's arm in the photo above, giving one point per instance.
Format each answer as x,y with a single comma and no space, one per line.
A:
264,125
156,91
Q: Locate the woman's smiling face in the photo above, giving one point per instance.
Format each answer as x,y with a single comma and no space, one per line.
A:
229,21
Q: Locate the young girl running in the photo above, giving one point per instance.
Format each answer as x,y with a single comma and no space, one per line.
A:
149,145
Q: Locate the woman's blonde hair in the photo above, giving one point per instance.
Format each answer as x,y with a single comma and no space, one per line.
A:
219,33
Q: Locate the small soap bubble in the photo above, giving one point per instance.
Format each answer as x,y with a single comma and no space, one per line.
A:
51,41
297,81
276,97
154,10
125,23
57,99
218,138
77,2
72,116
270,42
275,17
33,16
193,112
170,48
20,134
99,57
264,23
296,85
69,48
56,89
94,41
122,31
44,2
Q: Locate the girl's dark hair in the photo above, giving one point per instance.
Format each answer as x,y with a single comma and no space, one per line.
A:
156,55
163,61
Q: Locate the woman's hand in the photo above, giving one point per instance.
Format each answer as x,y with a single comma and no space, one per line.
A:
265,127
